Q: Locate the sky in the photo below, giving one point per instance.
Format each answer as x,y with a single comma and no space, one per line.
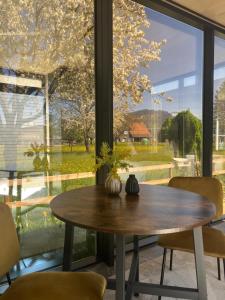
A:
179,73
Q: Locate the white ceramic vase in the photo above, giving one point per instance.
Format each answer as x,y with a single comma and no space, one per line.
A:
113,184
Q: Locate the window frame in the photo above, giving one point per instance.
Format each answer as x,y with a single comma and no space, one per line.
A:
104,98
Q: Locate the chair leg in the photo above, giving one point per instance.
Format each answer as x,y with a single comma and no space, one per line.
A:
163,269
224,267
218,267
8,278
171,259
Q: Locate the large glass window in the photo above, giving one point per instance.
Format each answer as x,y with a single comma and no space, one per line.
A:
158,64
47,119
219,111
47,109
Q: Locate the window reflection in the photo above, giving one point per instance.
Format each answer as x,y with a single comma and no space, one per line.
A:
47,118
164,127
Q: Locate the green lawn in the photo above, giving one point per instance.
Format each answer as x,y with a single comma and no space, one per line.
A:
65,161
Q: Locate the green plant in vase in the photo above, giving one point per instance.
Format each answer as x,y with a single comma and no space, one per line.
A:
114,160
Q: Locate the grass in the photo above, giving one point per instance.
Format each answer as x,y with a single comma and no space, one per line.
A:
65,161
72,162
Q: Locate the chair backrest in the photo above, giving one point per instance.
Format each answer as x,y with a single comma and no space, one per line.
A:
208,187
9,244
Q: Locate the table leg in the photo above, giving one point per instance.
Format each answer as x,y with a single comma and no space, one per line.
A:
68,247
120,267
136,250
199,263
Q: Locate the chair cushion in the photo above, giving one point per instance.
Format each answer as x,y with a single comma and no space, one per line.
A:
214,241
57,286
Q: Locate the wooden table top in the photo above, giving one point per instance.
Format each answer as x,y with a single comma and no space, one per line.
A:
156,210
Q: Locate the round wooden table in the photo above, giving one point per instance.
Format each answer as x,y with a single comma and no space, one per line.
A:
156,210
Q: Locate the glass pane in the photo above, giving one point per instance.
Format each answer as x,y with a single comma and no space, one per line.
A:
47,119
219,111
157,93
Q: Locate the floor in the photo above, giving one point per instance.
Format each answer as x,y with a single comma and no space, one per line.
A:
183,273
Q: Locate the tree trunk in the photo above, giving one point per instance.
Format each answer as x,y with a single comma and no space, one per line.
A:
86,140
87,145
71,146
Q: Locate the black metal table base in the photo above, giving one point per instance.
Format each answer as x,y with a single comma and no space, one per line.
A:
156,289
125,289
68,246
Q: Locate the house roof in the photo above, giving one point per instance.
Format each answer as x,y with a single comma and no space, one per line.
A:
138,129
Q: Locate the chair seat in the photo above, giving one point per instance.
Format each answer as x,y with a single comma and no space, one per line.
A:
214,241
57,286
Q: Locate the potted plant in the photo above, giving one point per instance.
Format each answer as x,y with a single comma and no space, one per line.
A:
114,159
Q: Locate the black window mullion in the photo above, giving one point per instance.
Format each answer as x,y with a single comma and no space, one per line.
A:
104,77
104,103
208,82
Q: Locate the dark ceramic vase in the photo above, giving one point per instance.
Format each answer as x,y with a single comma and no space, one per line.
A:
132,186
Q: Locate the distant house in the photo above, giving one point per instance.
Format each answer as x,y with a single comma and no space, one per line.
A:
138,131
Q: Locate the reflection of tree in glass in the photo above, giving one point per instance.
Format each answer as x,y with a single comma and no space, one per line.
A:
132,54
56,39
185,132
45,38
71,134
157,100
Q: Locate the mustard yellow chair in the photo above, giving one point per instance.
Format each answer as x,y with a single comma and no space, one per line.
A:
214,239
45,285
